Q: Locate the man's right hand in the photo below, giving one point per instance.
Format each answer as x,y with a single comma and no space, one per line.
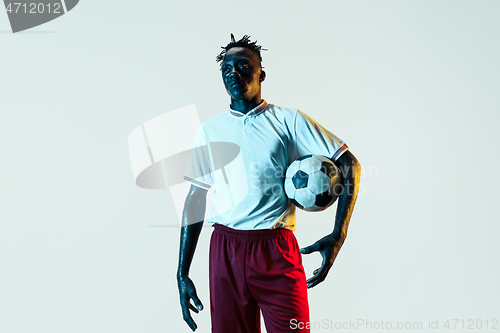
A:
192,223
187,291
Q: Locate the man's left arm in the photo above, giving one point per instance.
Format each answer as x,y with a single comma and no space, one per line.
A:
329,246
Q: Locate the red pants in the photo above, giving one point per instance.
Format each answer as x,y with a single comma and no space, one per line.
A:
253,270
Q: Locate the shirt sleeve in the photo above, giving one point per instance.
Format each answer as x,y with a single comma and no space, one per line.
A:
199,166
312,138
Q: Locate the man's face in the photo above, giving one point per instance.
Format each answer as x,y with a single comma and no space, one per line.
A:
242,73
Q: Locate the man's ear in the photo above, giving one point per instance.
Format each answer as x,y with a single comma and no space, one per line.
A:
262,76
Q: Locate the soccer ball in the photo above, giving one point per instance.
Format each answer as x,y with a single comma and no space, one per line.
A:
312,183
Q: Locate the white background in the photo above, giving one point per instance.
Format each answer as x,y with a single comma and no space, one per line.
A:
411,86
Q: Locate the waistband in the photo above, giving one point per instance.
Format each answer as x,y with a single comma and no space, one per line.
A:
254,234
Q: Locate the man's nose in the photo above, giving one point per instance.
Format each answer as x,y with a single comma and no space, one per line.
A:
234,73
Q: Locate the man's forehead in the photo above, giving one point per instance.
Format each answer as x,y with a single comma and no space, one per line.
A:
238,53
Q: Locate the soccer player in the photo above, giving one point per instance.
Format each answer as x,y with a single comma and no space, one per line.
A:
255,263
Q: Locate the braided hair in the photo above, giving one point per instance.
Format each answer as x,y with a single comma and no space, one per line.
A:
243,42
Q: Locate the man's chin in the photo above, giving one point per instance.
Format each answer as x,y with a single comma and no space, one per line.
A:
238,95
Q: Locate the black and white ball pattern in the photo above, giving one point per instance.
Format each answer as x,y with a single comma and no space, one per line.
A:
312,183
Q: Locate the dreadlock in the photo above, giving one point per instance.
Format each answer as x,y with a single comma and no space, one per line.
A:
243,42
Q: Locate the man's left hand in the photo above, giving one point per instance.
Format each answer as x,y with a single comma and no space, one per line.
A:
329,246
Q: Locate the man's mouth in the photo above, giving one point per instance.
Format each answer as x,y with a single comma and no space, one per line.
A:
235,83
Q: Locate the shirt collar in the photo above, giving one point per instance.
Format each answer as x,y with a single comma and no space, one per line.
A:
255,111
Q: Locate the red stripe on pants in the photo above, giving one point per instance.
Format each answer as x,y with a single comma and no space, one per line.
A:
253,270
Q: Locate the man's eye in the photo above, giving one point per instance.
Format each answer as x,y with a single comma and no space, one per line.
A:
244,65
225,70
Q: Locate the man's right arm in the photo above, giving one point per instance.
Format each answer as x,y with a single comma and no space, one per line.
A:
192,223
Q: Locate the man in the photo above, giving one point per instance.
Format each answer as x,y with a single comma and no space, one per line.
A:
255,264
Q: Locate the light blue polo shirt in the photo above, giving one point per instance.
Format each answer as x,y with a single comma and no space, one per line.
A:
245,156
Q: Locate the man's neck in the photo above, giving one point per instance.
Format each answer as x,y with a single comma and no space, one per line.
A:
245,105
